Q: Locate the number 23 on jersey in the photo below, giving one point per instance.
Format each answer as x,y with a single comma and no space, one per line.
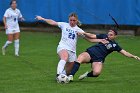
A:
71,36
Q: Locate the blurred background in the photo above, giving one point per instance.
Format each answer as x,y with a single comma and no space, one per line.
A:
93,14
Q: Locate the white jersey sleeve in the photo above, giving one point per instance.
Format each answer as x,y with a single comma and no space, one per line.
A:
20,15
61,24
80,30
6,14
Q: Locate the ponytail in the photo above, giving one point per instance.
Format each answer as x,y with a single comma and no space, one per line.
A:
79,23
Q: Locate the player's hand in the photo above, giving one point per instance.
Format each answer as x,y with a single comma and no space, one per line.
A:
136,57
104,41
81,34
22,19
5,26
39,18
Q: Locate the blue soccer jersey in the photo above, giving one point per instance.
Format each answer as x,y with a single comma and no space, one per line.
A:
99,51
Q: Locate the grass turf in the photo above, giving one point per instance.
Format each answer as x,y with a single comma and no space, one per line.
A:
34,71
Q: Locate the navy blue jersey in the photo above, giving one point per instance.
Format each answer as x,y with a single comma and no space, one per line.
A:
101,50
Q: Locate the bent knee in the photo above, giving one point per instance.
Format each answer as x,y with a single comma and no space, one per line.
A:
64,58
83,58
96,74
79,59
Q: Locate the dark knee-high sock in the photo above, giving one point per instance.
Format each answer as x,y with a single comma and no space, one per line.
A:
90,74
75,68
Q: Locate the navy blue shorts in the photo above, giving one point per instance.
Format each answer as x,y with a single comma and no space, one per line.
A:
95,58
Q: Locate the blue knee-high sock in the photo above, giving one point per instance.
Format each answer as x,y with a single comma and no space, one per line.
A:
75,68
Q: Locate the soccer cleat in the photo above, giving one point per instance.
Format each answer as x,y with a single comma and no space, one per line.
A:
17,55
83,76
3,51
70,77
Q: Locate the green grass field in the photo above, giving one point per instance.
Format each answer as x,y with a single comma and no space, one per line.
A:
34,71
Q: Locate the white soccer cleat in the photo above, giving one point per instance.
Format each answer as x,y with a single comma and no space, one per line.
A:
17,55
3,51
70,77
81,77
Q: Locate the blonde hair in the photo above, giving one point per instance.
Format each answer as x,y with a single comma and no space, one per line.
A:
76,16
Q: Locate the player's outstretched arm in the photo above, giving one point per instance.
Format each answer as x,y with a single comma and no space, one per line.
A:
4,21
104,41
49,21
89,35
92,38
125,53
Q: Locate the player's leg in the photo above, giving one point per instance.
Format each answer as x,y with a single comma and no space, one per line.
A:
63,54
82,58
96,70
16,43
69,65
7,43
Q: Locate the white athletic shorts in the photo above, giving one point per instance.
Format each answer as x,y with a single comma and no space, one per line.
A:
72,55
12,31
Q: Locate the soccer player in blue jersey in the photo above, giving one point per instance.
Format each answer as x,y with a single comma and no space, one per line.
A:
96,54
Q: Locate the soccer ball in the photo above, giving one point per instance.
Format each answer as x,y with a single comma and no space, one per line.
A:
62,78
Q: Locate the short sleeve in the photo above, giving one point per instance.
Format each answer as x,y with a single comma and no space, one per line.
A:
101,36
20,15
118,48
61,24
6,14
80,30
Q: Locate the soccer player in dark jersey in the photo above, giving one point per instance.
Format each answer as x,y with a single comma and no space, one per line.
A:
96,54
